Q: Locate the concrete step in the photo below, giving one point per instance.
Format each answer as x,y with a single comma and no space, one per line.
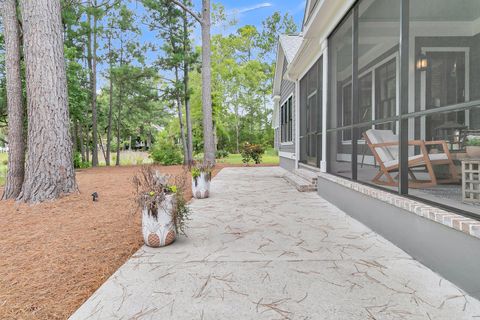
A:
308,175
300,183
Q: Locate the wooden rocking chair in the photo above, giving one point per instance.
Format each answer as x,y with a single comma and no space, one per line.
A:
384,147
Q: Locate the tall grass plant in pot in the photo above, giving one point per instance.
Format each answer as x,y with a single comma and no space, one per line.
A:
201,177
160,199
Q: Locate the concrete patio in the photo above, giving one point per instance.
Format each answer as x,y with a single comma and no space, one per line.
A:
258,249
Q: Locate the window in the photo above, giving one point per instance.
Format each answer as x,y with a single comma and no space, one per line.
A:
347,110
383,94
365,98
287,120
386,93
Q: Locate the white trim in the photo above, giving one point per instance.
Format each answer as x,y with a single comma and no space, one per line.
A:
297,120
310,65
323,162
349,142
286,99
278,76
288,143
275,114
288,155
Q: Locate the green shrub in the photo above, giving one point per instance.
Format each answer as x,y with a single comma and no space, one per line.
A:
5,162
77,160
220,154
198,156
252,152
475,142
165,151
78,163
85,165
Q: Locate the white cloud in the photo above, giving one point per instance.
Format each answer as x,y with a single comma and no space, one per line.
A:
252,8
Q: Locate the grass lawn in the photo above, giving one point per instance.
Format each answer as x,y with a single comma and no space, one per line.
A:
270,157
3,167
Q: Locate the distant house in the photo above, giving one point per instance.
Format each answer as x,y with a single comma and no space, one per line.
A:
377,100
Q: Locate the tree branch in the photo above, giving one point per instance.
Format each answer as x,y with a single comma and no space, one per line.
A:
196,16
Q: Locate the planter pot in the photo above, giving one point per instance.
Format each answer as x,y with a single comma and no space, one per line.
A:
159,231
201,186
473,152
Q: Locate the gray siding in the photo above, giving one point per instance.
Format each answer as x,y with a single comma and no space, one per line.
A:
286,89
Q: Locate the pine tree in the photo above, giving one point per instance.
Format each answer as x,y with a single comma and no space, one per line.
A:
16,140
49,168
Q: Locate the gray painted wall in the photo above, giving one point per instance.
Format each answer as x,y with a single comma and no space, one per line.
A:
450,253
276,138
287,164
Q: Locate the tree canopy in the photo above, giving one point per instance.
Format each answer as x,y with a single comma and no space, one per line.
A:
123,90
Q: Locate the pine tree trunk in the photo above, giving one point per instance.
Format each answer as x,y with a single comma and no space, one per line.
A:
49,170
237,128
186,66
92,62
100,142
87,144
180,119
16,139
74,133
209,143
82,141
119,123
110,106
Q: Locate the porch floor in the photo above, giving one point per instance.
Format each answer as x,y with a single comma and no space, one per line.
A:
258,249
446,194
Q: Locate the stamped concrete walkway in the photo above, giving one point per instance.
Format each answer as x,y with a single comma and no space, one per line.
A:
258,249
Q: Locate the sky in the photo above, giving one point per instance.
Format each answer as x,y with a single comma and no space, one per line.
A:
254,12
246,12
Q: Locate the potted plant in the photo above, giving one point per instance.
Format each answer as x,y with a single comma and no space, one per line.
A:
473,148
164,210
201,176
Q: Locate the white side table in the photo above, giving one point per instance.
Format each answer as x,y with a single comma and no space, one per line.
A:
471,180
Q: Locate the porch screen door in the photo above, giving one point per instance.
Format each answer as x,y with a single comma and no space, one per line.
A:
311,115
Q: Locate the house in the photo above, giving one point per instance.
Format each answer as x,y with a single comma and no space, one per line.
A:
284,93
385,97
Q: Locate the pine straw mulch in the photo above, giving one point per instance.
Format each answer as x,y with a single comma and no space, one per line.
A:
53,256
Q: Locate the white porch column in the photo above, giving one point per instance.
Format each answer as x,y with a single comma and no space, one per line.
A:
297,123
323,163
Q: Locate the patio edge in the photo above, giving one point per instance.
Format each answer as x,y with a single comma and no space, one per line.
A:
430,235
